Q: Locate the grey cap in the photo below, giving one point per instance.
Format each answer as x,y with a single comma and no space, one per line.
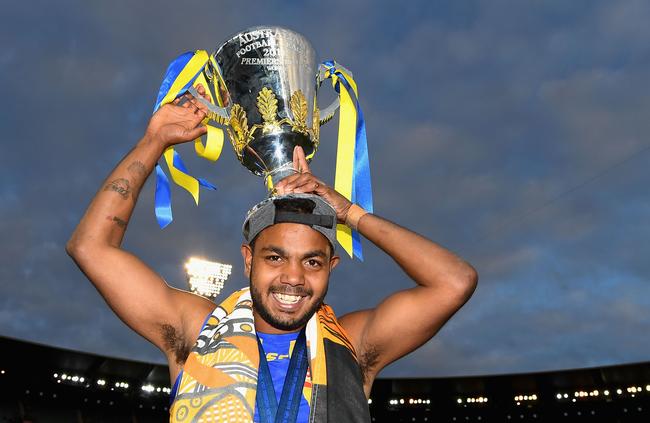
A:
307,209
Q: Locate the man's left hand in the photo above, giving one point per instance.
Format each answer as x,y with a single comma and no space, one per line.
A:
305,182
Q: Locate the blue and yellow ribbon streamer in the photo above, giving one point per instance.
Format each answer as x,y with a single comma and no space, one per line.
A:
184,71
352,177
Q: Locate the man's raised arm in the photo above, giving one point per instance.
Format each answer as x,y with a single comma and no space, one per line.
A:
137,294
406,319
444,283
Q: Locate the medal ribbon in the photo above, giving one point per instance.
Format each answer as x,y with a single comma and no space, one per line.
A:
182,73
352,177
267,403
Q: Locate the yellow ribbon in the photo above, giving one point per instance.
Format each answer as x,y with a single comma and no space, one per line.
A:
345,153
214,144
196,63
190,183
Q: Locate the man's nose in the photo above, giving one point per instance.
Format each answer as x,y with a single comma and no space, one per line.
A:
294,273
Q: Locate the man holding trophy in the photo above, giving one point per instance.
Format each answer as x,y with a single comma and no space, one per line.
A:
273,352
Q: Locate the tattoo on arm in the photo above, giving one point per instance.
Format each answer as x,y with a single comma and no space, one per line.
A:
137,169
121,186
119,222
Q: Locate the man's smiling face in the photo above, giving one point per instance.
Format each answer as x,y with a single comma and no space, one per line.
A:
289,271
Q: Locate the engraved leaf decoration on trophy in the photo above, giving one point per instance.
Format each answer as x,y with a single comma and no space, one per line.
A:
239,124
217,118
298,105
267,104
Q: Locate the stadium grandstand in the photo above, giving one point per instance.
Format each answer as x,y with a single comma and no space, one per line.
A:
46,384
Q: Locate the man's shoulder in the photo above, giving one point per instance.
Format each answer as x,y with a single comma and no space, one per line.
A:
354,322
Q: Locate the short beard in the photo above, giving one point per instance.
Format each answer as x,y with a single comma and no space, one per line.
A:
287,324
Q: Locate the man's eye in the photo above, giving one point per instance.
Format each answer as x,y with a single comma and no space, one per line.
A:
273,258
313,263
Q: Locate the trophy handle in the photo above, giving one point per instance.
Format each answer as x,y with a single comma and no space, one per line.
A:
219,114
328,113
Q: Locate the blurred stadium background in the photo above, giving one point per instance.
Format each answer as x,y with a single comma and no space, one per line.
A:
45,384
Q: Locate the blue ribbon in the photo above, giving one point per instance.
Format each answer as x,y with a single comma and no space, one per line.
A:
173,70
162,198
286,411
266,401
361,183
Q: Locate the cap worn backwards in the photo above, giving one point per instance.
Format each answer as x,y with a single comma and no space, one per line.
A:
307,209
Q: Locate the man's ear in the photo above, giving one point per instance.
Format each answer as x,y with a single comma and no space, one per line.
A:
247,254
334,261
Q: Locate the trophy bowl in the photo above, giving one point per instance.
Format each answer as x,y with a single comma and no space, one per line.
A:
266,79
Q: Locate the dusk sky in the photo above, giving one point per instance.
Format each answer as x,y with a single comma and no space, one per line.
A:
514,133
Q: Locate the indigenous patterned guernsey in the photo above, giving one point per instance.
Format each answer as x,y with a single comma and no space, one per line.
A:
219,379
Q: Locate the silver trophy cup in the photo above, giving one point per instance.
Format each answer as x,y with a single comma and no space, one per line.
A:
267,80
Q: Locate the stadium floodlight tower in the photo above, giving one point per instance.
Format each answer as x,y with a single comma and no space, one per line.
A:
206,278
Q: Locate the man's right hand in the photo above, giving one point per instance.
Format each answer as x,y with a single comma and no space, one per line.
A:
179,121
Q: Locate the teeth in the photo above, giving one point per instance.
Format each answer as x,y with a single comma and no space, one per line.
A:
287,299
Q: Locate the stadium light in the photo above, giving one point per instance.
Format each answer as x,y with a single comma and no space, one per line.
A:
531,397
206,278
473,400
69,379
